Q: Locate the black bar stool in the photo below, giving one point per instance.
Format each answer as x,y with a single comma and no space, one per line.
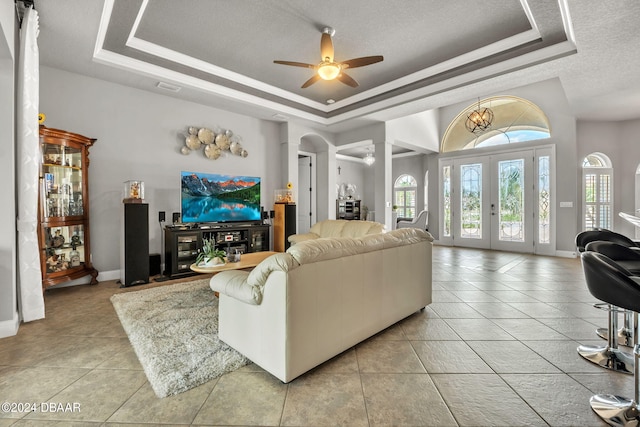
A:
609,283
629,259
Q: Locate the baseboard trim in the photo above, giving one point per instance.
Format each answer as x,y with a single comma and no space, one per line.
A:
103,276
566,254
9,328
108,275
560,254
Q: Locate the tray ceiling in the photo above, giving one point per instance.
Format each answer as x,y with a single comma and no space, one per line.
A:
226,48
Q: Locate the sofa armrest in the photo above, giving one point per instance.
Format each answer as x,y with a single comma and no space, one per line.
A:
233,283
297,238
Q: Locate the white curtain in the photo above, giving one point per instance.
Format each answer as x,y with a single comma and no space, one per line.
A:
31,300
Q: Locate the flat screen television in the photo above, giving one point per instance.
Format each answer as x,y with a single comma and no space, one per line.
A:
213,198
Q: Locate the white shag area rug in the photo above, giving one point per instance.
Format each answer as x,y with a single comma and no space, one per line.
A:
174,331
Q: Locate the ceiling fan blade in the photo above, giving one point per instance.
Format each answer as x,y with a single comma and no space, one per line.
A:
295,64
346,79
361,62
311,81
326,47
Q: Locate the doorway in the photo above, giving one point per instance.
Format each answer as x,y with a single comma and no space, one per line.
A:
306,192
500,201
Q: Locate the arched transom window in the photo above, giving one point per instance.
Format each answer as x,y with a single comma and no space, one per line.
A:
513,120
404,195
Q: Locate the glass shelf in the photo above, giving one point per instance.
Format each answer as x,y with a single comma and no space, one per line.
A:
62,181
64,247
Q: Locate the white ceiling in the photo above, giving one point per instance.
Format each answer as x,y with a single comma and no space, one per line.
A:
220,52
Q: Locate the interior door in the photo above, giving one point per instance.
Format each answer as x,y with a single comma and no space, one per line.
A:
305,194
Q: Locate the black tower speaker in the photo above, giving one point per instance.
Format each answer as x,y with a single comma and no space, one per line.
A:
135,248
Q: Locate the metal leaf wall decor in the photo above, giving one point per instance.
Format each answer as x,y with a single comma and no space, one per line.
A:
214,143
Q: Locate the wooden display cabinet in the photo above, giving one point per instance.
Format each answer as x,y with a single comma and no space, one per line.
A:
63,207
348,209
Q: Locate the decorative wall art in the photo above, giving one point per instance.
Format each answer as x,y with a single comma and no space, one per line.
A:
214,143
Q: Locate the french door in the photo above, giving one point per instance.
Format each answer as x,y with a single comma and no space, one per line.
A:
500,201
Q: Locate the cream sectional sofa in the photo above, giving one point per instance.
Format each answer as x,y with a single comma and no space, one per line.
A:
338,228
299,308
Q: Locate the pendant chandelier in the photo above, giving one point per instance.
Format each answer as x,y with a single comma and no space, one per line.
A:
479,120
369,159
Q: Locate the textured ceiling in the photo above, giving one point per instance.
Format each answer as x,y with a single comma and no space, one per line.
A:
221,52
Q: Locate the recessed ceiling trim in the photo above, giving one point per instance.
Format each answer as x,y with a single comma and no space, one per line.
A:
145,69
357,144
492,49
566,20
347,158
107,9
527,11
125,62
539,56
187,60
484,52
198,64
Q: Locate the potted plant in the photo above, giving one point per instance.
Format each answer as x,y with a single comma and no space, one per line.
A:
209,255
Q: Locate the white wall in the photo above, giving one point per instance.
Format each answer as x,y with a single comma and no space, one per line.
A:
139,135
8,28
352,172
620,141
418,132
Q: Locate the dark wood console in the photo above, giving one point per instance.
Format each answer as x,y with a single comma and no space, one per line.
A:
182,244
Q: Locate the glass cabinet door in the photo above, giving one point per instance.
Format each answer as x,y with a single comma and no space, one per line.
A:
259,240
62,181
64,248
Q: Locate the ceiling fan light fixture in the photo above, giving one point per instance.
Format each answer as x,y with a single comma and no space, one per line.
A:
329,70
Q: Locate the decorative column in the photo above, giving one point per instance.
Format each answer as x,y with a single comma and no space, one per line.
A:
383,184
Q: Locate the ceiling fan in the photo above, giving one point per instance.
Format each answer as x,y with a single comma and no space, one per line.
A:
327,69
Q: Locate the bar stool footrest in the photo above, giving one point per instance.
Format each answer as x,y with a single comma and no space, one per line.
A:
608,358
616,410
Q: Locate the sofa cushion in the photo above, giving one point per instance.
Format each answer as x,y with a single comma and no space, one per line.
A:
330,248
278,262
361,228
297,238
338,228
329,227
248,286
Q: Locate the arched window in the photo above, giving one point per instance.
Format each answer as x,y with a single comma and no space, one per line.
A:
597,178
404,195
512,120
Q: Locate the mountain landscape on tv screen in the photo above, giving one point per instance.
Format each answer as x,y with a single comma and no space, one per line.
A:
219,198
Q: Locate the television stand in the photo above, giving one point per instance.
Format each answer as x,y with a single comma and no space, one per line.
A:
182,244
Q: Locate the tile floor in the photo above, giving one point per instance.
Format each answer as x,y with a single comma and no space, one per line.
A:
497,347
